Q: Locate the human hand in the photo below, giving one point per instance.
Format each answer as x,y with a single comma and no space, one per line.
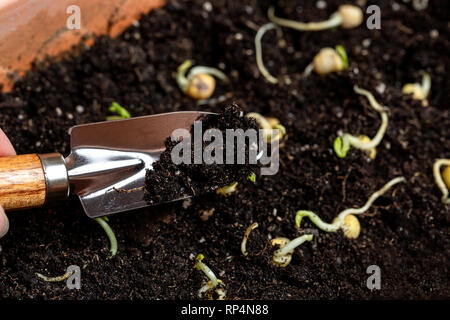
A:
6,149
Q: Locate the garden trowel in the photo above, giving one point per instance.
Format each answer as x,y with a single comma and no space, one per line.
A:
105,158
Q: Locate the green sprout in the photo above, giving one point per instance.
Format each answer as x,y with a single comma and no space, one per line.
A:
283,256
347,16
346,220
245,238
121,111
442,180
227,190
269,126
213,281
103,222
419,91
258,51
342,144
343,54
232,187
199,83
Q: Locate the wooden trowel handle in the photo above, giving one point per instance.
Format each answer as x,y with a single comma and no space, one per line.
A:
30,180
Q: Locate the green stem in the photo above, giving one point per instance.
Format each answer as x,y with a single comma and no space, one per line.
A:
426,83
292,245
121,111
327,227
110,233
206,270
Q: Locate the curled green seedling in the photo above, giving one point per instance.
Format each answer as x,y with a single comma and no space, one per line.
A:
245,238
346,220
419,91
268,125
258,52
121,112
227,190
55,279
343,143
199,83
103,222
212,283
252,177
328,60
283,256
343,54
442,179
347,17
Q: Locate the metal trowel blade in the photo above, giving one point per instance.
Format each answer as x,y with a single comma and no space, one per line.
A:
115,155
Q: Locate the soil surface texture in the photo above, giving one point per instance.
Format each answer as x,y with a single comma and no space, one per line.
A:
405,232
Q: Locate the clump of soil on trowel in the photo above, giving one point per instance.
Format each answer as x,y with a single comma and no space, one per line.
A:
169,181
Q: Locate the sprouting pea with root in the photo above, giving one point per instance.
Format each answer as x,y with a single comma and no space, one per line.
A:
342,144
328,60
419,91
121,112
199,84
283,256
212,283
270,126
347,17
442,179
346,220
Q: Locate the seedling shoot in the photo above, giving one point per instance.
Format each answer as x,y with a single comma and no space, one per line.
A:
346,220
347,17
121,112
213,282
283,256
55,279
258,52
419,91
272,129
442,179
199,83
102,221
245,238
342,144
328,60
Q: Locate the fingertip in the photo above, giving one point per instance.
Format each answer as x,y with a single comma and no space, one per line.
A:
4,223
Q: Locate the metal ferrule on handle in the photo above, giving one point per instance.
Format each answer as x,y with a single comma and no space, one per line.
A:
56,176
31,180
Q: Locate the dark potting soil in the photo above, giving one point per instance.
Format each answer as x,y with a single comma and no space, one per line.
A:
405,233
169,181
